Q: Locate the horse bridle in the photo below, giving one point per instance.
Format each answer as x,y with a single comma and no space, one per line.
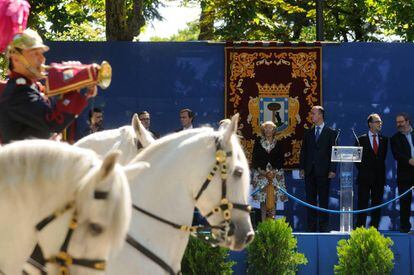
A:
63,259
225,228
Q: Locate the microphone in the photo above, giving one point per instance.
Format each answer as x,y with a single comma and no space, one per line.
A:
337,136
352,129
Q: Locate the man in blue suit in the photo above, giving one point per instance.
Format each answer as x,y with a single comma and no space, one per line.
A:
317,169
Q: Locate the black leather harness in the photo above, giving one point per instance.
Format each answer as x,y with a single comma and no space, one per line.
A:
224,208
63,259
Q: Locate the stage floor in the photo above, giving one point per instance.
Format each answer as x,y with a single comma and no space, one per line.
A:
320,250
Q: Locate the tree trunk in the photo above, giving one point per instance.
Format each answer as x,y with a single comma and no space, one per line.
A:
123,24
357,22
298,23
206,22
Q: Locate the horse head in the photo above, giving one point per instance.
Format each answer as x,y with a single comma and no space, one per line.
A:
101,217
223,197
129,139
189,168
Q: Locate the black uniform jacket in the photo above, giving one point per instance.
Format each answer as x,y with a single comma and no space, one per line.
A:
26,113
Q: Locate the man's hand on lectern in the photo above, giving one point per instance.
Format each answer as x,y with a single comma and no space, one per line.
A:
302,174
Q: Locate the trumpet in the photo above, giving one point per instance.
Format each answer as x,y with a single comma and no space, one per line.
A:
69,76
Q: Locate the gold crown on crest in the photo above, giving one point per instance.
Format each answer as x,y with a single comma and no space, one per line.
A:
267,90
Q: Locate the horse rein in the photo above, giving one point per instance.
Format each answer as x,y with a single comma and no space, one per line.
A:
224,208
63,259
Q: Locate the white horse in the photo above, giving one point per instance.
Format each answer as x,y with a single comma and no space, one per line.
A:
124,139
188,169
89,197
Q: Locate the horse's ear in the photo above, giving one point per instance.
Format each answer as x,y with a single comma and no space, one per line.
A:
142,134
108,164
133,169
136,124
231,129
224,123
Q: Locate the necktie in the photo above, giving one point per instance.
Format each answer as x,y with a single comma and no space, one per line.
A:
318,132
375,144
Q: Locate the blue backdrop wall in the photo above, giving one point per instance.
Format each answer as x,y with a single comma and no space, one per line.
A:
162,78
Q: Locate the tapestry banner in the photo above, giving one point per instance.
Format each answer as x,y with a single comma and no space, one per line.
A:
279,84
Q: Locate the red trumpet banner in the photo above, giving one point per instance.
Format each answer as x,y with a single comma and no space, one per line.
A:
279,84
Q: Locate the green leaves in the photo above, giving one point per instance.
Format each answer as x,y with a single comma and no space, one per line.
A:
68,19
295,20
3,69
86,20
281,20
202,258
367,252
274,250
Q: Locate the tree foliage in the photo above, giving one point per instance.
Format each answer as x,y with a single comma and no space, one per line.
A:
274,250
125,18
369,20
367,252
295,20
262,19
91,20
201,258
81,20
283,20
396,17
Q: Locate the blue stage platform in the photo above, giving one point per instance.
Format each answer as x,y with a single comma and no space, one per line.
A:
320,250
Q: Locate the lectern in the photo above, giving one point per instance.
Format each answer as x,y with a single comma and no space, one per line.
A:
346,156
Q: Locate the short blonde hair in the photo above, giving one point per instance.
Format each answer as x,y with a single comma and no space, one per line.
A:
268,123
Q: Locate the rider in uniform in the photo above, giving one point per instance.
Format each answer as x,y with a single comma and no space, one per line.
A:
25,112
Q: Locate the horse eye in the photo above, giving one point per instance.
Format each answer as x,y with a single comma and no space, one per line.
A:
95,229
238,172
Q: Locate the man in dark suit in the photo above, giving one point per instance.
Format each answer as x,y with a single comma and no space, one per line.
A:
145,119
371,170
317,169
186,119
403,150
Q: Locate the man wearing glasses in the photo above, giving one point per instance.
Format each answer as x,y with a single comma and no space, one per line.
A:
145,119
403,151
371,170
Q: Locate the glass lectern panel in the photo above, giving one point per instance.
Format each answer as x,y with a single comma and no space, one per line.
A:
346,154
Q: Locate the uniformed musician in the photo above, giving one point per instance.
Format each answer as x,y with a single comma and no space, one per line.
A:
25,112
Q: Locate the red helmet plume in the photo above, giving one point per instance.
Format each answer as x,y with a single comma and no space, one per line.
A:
13,19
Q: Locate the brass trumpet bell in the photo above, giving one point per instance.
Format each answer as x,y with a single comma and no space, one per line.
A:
69,76
104,75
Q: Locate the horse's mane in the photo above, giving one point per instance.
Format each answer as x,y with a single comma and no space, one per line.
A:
106,135
43,161
120,220
128,132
